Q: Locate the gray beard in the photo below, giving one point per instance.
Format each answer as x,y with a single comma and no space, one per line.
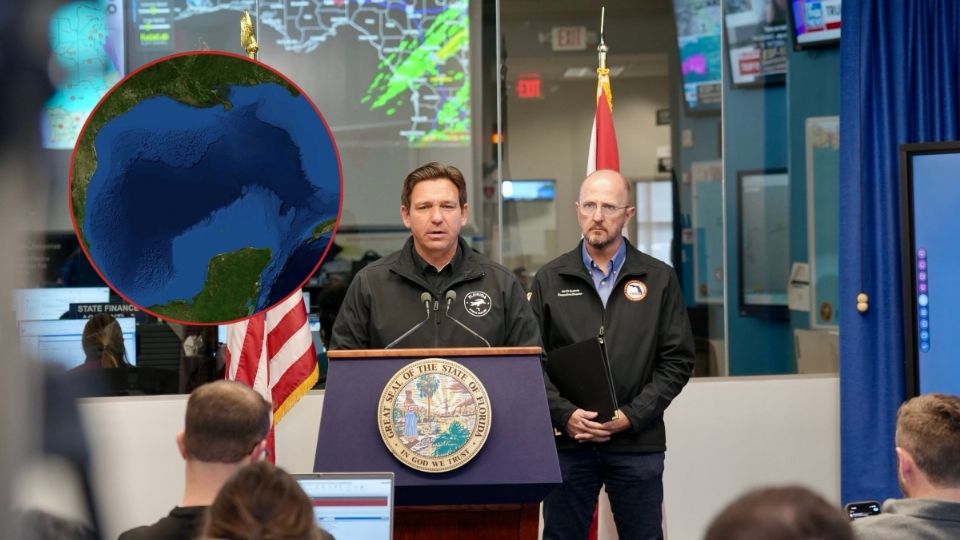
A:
597,243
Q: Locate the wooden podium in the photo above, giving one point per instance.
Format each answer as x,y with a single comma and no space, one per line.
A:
497,493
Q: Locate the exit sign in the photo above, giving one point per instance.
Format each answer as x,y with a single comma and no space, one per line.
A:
569,38
528,86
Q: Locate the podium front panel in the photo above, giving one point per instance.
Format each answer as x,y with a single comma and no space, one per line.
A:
517,464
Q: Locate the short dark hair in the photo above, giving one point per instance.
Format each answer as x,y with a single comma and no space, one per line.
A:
433,171
784,513
225,420
261,501
928,427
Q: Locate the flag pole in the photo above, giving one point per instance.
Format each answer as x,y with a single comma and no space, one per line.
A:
602,47
603,73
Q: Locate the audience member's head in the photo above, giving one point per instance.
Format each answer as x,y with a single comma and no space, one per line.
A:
780,513
103,342
928,445
226,422
261,502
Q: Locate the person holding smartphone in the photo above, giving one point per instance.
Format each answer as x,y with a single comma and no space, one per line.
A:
928,467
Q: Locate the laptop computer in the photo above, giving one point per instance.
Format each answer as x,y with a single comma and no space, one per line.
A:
351,505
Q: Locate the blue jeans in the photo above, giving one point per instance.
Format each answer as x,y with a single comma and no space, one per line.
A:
634,485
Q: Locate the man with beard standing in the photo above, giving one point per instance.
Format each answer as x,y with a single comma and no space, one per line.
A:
607,286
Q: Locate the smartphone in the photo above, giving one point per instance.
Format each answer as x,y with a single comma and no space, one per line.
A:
861,509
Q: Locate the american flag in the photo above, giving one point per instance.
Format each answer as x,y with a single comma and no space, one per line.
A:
273,353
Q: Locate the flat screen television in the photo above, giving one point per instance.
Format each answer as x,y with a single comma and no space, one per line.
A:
86,40
528,190
929,193
815,23
51,303
699,25
158,28
756,34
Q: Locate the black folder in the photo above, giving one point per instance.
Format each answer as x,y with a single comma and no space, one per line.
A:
581,373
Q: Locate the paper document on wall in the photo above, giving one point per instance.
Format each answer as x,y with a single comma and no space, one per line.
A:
798,288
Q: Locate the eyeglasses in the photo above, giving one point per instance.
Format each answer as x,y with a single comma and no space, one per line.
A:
608,210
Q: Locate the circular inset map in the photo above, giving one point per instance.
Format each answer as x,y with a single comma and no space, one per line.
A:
434,415
205,188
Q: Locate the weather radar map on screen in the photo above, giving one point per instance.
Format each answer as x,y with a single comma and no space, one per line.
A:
380,63
393,79
421,78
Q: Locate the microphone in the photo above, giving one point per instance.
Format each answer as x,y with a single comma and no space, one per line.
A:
451,296
425,299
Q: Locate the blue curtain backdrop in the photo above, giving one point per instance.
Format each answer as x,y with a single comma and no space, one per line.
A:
900,69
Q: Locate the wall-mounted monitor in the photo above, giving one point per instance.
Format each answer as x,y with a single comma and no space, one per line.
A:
815,23
699,25
60,341
930,190
158,28
528,190
756,34
44,304
763,230
86,40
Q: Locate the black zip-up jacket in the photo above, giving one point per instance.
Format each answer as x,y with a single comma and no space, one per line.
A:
648,339
384,301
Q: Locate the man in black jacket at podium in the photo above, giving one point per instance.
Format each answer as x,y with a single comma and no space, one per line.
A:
605,283
435,291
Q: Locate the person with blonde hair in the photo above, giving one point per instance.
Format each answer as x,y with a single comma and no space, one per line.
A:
261,502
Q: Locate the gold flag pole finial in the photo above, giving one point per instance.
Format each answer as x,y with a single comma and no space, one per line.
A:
603,73
248,36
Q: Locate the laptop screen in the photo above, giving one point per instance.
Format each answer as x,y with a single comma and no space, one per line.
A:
351,505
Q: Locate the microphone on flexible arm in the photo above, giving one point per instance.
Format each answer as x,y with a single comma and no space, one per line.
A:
425,298
451,296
